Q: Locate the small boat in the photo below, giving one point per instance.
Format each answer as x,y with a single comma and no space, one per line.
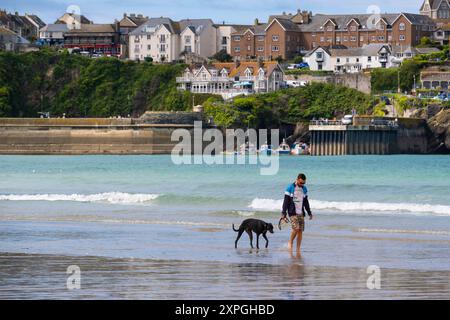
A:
284,148
248,149
266,149
300,149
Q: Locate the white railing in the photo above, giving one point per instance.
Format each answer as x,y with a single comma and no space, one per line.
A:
193,79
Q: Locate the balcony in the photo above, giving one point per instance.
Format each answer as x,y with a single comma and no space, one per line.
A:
192,79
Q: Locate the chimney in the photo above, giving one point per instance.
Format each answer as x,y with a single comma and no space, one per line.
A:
133,15
256,22
140,16
124,15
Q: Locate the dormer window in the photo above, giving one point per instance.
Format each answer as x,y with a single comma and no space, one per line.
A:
248,73
224,73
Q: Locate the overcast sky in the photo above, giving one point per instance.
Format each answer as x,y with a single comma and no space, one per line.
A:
231,11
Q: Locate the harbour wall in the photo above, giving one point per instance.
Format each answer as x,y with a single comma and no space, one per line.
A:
90,136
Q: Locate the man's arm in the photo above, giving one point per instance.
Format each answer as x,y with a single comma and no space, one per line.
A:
286,202
306,207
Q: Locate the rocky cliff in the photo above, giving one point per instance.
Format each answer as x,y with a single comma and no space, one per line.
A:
440,127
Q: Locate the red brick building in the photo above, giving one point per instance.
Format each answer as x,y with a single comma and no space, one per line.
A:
289,35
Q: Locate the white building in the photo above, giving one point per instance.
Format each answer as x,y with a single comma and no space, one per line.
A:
231,79
158,38
165,40
53,33
350,60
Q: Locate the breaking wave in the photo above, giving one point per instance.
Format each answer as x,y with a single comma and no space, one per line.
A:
412,208
108,197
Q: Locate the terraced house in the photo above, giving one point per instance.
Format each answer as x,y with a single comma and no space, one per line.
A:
289,35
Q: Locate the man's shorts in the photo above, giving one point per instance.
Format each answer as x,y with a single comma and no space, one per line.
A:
298,223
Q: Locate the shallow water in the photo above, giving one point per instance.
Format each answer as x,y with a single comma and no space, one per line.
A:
133,211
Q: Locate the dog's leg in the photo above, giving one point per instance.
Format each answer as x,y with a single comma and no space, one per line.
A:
257,241
267,240
250,235
238,237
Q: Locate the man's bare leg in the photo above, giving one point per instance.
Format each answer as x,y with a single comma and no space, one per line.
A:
299,240
291,239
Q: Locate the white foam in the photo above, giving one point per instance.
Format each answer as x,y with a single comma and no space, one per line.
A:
410,208
108,197
426,232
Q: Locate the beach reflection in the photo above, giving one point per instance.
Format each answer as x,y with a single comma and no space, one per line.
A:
44,277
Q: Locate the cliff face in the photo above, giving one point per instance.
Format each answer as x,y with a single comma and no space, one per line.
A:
440,127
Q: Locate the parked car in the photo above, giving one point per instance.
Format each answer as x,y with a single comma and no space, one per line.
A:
296,83
347,120
298,66
386,100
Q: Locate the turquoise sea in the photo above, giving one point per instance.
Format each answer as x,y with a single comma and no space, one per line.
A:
146,215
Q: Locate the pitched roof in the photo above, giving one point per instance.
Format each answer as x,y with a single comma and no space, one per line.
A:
318,20
198,25
342,51
6,32
286,24
93,28
55,27
36,20
235,71
172,26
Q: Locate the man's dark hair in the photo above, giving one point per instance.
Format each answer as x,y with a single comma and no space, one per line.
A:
301,176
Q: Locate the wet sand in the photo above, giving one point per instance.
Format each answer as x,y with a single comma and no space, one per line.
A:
24,276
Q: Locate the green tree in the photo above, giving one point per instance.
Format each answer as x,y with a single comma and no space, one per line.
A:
222,56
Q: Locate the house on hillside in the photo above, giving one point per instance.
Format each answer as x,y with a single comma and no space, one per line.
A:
233,79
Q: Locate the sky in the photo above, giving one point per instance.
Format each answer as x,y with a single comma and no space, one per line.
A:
230,11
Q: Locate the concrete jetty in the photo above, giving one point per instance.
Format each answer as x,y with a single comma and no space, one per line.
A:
368,136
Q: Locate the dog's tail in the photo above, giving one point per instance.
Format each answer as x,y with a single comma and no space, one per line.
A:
235,229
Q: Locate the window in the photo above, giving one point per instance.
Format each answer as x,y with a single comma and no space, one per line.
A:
249,48
162,48
237,49
330,28
353,39
149,37
348,60
329,40
237,38
345,39
353,28
369,59
149,47
357,59
338,39
187,39
275,48
381,38
275,38
338,60
374,38
260,49
224,40
322,39
390,38
361,39
188,49
260,38
402,26
162,38
319,55
402,38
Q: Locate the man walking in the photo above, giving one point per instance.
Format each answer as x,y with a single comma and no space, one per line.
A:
296,205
